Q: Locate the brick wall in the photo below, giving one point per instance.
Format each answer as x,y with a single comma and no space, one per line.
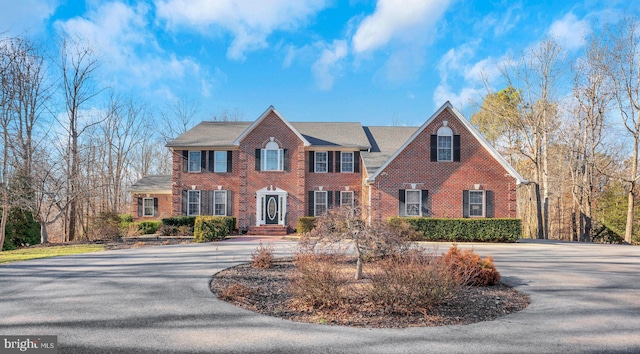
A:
164,206
445,181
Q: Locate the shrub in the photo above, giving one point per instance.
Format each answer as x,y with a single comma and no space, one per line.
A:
140,228
178,221
262,256
209,228
603,234
470,268
185,230
318,284
106,226
236,292
412,282
466,230
404,229
168,230
22,229
305,224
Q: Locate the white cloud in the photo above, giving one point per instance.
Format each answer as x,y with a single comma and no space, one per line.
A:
249,21
128,51
390,21
25,16
570,32
328,65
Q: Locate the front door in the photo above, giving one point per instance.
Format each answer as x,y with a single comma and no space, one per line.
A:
271,208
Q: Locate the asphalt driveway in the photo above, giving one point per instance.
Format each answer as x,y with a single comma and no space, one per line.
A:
585,298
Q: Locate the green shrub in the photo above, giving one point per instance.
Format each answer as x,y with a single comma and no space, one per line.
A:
178,221
210,228
22,229
466,230
305,224
144,227
125,218
106,226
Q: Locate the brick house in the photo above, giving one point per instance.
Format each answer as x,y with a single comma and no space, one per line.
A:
270,172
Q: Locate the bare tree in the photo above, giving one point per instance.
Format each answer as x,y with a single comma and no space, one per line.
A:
621,60
78,68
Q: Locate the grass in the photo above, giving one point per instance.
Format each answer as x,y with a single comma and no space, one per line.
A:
24,254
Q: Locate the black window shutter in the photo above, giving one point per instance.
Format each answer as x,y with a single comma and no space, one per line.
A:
229,203
337,200
425,200
329,199
489,201
338,161
155,206
456,148
203,160
229,160
204,202
286,165
356,162
465,204
185,160
311,203
210,202
330,161
185,201
401,202
434,147
258,153
139,207
312,161
212,161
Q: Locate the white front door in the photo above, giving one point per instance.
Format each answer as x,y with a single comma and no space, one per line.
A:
271,206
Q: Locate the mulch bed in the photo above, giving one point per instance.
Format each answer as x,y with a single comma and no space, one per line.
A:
266,291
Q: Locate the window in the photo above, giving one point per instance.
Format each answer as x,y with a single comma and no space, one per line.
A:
321,162
272,157
220,203
346,162
148,207
476,203
413,202
193,198
346,198
220,164
320,203
445,144
194,161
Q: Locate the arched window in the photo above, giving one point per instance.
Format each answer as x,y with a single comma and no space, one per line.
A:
445,144
272,157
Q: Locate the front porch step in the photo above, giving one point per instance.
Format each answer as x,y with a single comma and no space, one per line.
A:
268,230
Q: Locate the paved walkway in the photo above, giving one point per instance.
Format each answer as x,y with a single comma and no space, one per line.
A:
585,299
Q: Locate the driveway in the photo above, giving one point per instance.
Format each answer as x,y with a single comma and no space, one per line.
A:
584,298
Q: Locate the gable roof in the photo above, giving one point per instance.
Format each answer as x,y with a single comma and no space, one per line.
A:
264,115
448,106
152,184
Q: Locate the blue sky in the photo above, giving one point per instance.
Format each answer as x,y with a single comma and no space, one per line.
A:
377,62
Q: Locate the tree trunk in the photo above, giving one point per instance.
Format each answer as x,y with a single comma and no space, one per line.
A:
358,275
44,237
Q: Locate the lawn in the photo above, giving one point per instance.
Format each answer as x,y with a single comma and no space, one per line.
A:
45,252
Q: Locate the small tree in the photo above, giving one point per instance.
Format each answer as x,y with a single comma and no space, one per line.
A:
368,240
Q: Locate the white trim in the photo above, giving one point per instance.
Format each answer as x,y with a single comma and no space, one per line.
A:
189,202
199,161
261,118
406,203
326,161
352,198
353,162
213,212
215,161
447,105
483,203
315,202
153,209
260,202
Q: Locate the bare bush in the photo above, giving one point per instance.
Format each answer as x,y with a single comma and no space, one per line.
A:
262,257
319,284
470,268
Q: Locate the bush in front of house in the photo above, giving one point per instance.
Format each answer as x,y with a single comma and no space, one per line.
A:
465,230
147,227
210,228
305,224
178,221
